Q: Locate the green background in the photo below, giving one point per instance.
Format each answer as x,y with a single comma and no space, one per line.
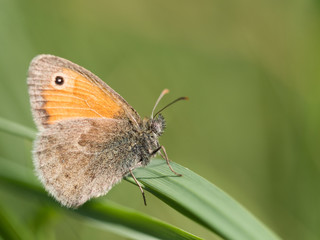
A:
250,69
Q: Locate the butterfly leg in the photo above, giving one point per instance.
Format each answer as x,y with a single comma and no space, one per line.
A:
165,156
139,185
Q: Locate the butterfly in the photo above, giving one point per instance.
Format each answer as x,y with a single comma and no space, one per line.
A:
89,137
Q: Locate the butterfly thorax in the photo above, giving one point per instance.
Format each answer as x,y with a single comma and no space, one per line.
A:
152,129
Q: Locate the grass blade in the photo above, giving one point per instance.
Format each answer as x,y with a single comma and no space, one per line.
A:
16,129
120,220
10,228
197,199
201,201
131,223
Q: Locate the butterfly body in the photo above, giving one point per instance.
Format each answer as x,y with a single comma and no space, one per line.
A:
89,136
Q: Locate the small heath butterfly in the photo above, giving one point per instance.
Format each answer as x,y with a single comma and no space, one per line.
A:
89,137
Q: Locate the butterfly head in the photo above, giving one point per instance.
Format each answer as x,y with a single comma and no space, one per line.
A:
154,126
158,125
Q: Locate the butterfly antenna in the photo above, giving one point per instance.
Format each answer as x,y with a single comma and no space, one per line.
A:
164,92
178,99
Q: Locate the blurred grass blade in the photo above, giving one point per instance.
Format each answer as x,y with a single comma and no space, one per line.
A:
10,229
16,129
131,223
117,219
201,201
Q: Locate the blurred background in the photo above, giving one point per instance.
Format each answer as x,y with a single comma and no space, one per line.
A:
250,69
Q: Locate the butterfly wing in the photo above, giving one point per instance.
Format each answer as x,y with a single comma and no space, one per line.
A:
60,90
75,166
86,129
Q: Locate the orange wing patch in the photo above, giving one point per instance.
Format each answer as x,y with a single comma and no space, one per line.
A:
78,97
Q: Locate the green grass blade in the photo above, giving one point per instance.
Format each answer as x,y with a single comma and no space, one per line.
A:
7,230
16,129
201,201
10,228
131,223
120,220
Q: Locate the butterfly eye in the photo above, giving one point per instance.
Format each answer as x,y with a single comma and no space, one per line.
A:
59,80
